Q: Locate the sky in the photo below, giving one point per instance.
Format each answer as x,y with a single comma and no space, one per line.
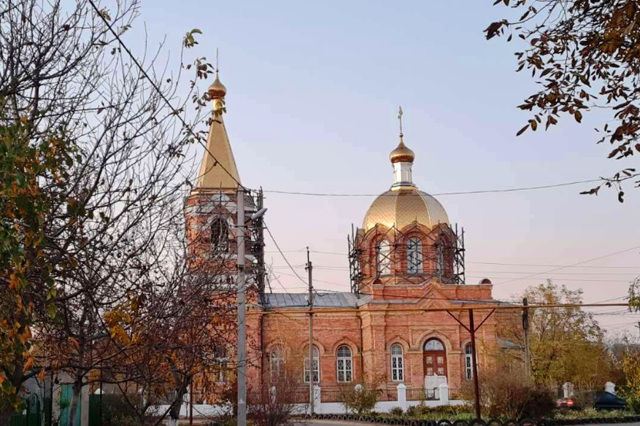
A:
313,94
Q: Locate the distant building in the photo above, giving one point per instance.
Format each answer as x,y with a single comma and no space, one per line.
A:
405,258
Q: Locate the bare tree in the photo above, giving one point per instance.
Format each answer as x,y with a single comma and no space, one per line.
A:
113,226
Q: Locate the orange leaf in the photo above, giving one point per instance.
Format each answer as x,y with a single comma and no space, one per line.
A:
41,374
28,364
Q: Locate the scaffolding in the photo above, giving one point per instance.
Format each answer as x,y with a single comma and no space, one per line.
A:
412,255
212,238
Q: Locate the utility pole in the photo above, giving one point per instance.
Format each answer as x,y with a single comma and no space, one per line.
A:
309,269
474,363
242,311
525,327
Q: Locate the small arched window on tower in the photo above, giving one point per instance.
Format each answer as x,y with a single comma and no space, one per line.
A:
414,256
384,258
439,259
220,235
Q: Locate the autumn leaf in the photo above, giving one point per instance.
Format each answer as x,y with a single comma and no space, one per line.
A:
28,364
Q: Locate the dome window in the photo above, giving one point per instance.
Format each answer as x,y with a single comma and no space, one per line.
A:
414,256
384,258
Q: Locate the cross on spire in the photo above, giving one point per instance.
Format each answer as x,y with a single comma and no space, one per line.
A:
217,62
400,120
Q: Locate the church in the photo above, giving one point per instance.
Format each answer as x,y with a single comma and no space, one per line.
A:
400,323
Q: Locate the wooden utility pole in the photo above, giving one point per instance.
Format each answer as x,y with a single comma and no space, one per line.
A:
525,327
311,369
474,363
242,313
474,358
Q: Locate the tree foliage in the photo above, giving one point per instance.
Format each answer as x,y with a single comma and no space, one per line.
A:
584,57
93,164
631,370
566,344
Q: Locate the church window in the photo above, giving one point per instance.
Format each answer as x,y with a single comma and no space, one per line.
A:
468,362
414,256
344,364
439,260
397,363
220,363
316,366
220,235
276,362
384,258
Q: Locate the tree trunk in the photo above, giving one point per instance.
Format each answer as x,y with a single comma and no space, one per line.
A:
174,411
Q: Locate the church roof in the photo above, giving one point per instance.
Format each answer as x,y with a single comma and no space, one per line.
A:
220,172
403,206
320,300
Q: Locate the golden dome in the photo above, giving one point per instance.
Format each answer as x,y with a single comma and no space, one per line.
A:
402,206
402,154
217,89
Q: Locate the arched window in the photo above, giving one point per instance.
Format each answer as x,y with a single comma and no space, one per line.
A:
397,363
316,366
435,358
220,235
276,362
468,362
344,364
384,258
220,361
414,256
439,259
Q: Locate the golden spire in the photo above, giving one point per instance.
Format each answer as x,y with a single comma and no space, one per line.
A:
220,172
217,92
401,154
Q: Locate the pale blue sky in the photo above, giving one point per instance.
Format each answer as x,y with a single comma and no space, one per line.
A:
313,92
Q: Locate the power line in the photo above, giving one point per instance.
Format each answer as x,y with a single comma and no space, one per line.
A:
569,266
157,89
483,263
487,191
282,254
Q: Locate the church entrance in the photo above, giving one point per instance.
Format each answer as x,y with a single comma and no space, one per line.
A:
435,358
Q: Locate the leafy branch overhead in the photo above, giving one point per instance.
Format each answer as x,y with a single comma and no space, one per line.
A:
584,55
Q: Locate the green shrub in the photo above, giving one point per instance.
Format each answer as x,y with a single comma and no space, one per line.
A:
508,394
396,411
359,401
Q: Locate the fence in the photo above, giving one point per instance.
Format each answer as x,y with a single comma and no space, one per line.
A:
30,416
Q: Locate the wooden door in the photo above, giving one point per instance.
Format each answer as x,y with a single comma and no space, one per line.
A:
435,358
435,363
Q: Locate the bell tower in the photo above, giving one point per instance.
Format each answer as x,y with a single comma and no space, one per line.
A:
211,209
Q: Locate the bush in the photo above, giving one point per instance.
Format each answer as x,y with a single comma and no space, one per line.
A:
631,369
397,411
422,411
359,401
506,393
117,411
